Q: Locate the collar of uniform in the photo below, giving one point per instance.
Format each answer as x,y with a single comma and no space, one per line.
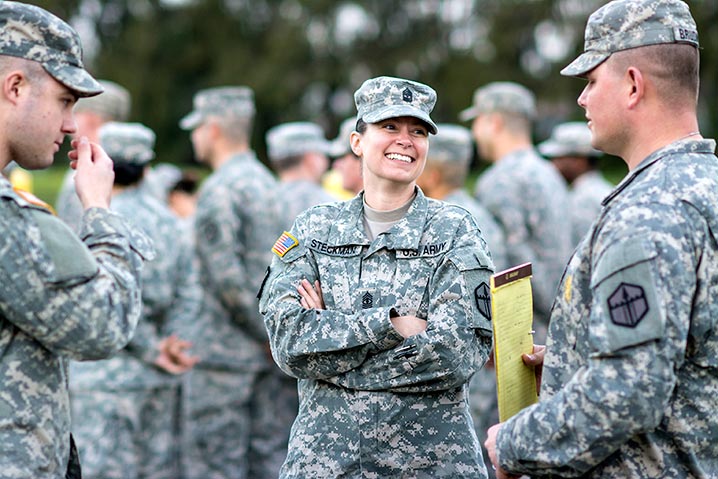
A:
403,235
703,146
5,186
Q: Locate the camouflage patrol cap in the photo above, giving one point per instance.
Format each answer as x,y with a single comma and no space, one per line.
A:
624,24
451,145
127,142
113,103
340,146
569,139
387,97
505,97
222,102
292,139
29,32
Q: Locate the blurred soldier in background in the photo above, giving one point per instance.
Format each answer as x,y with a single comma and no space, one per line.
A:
231,398
569,149
61,298
524,192
345,161
113,104
126,410
298,153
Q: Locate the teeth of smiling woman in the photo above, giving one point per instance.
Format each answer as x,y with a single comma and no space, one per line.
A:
397,156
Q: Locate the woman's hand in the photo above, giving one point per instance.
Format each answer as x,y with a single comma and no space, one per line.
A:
311,296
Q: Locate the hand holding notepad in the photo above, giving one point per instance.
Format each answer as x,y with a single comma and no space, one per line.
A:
512,317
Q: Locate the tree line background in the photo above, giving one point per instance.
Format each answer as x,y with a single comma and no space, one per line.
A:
305,58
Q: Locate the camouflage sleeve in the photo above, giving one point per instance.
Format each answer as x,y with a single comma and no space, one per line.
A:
457,340
642,290
77,302
311,343
222,252
188,295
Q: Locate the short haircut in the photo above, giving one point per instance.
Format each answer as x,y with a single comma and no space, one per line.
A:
674,68
128,174
235,129
32,69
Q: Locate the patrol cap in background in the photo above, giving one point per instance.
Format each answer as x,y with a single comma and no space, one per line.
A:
568,139
293,139
341,146
113,103
452,144
506,97
624,24
384,97
223,102
127,142
29,32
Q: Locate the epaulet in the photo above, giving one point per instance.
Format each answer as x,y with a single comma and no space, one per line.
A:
34,200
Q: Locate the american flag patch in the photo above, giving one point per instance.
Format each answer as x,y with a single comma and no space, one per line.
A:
284,243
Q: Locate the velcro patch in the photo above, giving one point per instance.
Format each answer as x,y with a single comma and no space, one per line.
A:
627,305
482,296
284,243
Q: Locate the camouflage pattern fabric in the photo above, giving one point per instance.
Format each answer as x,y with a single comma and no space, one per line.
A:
236,221
620,25
584,200
506,97
527,197
631,370
300,195
170,303
490,230
223,102
293,139
68,206
387,97
131,143
373,404
35,34
61,299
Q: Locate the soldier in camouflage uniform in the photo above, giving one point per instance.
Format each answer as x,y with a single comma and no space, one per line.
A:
298,153
523,192
569,149
232,389
126,410
113,104
379,306
444,178
61,298
631,370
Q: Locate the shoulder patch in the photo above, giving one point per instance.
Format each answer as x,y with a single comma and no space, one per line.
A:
34,200
627,305
482,296
284,243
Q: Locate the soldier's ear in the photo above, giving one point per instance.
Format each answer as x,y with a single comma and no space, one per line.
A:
355,143
13,84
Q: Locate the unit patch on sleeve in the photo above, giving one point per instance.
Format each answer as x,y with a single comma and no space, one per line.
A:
482,296
284,243
627,305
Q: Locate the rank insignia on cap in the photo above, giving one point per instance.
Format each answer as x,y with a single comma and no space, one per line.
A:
284,243
482,295
407,95
627,305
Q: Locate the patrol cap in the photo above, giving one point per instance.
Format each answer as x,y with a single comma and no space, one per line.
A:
451,145
624,24
127,142
569,139
113,103
223,102
388,97
292,139
341,146
29,32
506,97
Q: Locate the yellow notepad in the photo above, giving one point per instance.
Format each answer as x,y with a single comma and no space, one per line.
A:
512,317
